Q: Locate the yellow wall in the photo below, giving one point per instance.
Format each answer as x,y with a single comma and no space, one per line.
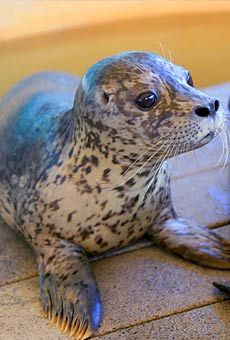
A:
70,36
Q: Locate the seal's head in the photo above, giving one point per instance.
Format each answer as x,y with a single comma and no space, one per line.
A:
145,99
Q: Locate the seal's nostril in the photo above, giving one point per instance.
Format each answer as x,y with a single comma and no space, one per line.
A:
216,105
202,111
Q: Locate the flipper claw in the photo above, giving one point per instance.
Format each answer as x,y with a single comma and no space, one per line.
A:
225,287
68,292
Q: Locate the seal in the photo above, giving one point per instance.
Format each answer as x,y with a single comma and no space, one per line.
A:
85,174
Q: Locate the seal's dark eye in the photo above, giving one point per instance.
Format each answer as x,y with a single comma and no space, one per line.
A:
189,80
146,100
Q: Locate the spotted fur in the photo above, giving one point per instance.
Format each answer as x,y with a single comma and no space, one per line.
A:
89,173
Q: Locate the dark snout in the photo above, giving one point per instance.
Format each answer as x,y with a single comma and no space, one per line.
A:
206,110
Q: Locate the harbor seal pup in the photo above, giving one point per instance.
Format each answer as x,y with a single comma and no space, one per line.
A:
85,175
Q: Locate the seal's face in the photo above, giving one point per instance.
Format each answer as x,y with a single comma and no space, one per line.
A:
147,99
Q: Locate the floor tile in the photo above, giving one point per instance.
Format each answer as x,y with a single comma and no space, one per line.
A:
204,197
206,323
16,258
135,287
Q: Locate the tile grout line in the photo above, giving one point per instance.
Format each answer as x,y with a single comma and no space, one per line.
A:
186,310
8,283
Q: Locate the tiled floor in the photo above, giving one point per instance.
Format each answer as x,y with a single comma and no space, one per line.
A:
146,292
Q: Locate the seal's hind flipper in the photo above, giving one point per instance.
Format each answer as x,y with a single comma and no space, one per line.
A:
69,294
191,241
224,287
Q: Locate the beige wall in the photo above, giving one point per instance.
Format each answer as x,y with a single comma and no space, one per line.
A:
70,36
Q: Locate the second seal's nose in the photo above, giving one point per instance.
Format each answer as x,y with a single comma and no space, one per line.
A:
205,111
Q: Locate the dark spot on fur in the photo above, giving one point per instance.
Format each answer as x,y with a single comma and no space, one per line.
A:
85,234
94,160
115,160
88,169
50,259
108,216
71,152
106,172
63,179
98,239
85,160
90,217
113,227
131,182
120,188
98,187
54,204
70,215
105,244
103,204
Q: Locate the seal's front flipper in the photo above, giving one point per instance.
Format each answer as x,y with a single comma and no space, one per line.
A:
69,293
191,241
224,287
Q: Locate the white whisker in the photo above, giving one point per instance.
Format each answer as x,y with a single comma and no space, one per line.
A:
157,169
177,149
139,169
223,150
170,56
144,153
225,140
162,49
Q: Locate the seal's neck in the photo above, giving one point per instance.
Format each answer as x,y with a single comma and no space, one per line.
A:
99,157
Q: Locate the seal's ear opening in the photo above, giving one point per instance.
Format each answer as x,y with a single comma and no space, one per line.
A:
105,97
